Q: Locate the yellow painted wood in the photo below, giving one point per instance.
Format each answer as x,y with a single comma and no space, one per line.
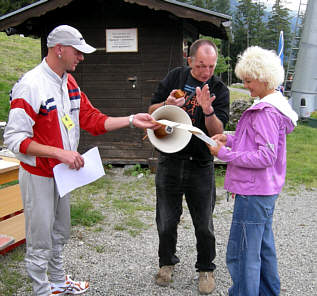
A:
10,173
14,227
10,200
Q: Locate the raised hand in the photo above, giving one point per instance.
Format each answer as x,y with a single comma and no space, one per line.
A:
205,99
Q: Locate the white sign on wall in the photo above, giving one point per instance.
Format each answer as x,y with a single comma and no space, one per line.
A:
122,40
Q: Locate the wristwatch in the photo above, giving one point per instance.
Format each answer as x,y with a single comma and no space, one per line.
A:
131,121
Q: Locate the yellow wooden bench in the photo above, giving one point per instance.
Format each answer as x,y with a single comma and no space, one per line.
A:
12,230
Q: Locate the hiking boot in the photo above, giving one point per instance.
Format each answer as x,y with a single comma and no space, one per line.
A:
164,276
70,287
206,282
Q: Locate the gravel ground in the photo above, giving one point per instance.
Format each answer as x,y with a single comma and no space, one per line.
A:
126,265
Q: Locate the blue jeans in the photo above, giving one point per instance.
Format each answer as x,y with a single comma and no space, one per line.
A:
251,256
195,180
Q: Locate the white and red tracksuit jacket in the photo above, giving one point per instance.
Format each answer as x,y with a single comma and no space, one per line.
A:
39,100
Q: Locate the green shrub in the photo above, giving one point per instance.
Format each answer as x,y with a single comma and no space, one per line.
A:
313,115
136,170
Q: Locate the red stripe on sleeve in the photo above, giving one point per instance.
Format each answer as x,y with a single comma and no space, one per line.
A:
91,119
24,145
22,104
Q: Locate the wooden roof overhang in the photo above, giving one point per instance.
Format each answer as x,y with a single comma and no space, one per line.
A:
209,23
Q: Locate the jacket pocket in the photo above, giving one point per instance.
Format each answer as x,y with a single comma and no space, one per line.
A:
241,174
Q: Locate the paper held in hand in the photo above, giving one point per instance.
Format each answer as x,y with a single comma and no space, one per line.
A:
192,129
67,179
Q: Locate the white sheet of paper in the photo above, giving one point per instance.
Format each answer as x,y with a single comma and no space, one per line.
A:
67,179
192,129
206,139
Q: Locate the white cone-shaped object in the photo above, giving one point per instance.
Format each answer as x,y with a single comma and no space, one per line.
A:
178,138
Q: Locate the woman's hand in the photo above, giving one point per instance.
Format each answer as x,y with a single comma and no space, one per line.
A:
215,149
222,138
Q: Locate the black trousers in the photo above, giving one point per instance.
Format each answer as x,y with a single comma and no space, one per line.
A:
194,179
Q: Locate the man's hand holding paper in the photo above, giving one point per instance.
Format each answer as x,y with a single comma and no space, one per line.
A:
69,179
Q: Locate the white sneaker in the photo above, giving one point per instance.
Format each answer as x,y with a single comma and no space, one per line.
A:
70,287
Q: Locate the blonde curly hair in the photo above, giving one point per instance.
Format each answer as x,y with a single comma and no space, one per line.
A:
261,64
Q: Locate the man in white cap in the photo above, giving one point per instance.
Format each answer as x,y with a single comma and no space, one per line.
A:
47,111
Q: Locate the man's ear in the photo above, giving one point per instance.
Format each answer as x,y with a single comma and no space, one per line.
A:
190,61
58,48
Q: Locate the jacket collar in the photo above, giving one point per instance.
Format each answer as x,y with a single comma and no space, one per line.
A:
278,101
53,75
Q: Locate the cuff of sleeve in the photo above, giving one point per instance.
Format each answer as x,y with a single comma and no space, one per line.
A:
101,125
229,141
24,145
222,153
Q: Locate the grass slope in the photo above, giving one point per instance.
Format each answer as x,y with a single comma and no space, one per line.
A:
17,55
302,157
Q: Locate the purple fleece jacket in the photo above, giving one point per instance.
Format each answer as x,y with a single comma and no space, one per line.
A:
256,162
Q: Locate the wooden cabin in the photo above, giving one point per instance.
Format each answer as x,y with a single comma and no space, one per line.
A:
137,41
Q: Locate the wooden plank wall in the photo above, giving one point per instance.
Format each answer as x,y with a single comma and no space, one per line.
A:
104,76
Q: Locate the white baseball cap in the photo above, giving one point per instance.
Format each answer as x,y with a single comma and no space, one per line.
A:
69,36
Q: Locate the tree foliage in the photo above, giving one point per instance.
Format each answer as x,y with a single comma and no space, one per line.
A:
7,6
279,20
252,24
248,26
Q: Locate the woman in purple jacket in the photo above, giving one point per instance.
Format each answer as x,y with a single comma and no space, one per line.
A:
256,167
